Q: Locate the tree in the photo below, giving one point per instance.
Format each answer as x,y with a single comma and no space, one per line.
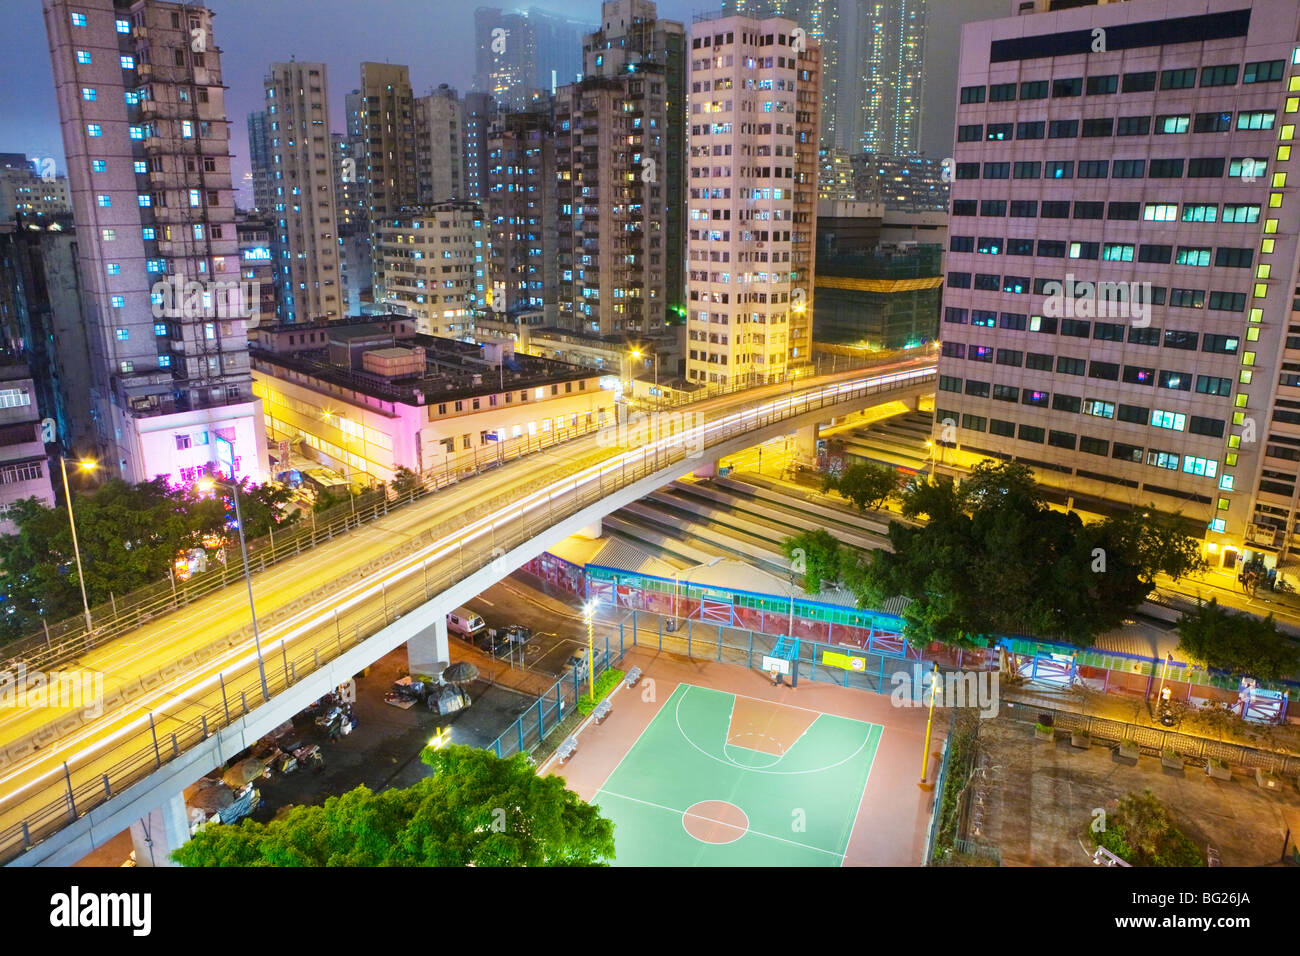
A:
1141,832
328,499
994,559
1241,644
264,507
475,810
866,484
405,481
815,555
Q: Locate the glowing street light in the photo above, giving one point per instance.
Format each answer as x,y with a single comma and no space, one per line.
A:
207,485
84,465
589,609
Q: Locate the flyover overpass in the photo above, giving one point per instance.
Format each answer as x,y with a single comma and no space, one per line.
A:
183,695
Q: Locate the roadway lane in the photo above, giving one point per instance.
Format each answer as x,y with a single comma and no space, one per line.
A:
32,788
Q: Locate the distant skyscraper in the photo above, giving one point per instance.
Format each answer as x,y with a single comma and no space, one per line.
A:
303,205
259,157
439,168
888,87
521,53
390,152
142,104
753,198
476,114
820,19
521,211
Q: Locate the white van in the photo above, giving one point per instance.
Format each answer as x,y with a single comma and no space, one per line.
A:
465,622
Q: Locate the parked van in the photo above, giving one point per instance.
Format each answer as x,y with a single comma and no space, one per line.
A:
465,622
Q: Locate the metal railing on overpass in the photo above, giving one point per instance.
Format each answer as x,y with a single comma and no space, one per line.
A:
407,585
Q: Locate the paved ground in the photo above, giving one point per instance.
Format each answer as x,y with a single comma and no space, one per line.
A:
893,813
1040,799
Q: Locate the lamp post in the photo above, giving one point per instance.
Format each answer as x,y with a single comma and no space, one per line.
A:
638,354
590,609
84,465
207,484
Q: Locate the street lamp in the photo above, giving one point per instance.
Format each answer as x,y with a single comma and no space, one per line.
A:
207,484
638,354
84,465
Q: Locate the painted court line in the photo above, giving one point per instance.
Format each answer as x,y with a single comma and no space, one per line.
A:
866,782
731,763
759,833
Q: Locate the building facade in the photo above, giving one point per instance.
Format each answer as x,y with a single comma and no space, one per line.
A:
28,194
303,202
753,200
477,111
389,133
259,158
439,161
1118,308
888,88
142,107
522,214
436,260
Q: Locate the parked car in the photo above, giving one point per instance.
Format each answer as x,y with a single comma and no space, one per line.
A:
578,663
465,622
492,641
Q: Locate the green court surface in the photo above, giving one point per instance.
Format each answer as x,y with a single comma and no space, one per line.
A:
795,806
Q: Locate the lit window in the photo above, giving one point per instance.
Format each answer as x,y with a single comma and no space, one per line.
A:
123,26
78,19
135,132
113,268
83,56
141,166
195,198
98,166
160,328
144,199
108,235
88,94
103,201
149,233
128,62
94,129
187,129
118,301
122,335
164,361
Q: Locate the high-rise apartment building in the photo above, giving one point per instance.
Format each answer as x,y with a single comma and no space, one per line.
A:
389,129
887,87
440,166
142,106
821,20
908,183
259,158
522,213
435,259
619,162
1122,259
476,114
303,206
754,114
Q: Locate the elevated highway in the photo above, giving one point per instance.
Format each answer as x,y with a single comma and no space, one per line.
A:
183,694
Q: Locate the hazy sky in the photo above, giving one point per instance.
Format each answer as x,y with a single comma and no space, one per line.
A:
435,38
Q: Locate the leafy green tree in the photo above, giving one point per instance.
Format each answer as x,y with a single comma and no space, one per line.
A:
328,499
866,484
1141,832
815,555
265,507
475,810
994,559
1241,644
405,481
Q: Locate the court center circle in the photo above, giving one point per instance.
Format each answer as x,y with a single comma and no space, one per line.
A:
715,821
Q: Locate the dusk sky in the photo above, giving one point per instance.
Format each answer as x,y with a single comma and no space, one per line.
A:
435,38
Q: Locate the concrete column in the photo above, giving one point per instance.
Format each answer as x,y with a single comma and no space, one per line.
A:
427,654
591,532
707,470
165,829
805,444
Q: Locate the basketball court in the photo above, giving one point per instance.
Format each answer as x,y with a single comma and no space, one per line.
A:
723,769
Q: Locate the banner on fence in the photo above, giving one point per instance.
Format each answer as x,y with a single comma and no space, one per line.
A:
846,661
